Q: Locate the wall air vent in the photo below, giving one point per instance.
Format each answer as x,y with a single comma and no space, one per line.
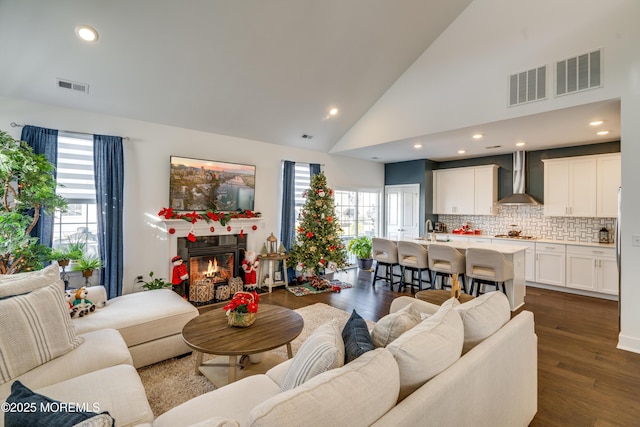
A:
74,86
579,73
528,86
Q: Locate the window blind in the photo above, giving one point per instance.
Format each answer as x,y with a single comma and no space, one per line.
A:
75,168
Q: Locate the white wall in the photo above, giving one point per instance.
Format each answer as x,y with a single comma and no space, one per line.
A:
147,172
461,80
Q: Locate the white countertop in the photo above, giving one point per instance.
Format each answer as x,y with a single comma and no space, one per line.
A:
502,248
563,242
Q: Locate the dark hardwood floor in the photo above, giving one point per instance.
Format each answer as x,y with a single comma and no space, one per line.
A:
583,379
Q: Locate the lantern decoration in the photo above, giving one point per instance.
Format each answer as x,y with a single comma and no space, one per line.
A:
604,235
272,245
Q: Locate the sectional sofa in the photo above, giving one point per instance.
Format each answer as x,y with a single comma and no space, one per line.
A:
457,364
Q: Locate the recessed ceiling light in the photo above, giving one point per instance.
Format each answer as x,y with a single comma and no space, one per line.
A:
87,33
520,144
477,136
603,132
417,145
462,151
596,123
333,111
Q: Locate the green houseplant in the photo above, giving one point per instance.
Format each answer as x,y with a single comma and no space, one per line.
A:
87,264
156,283
27,185
361,247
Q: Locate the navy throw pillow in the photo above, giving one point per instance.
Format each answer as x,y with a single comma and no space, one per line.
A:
356,337
27,408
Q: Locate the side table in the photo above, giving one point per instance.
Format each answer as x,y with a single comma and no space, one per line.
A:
270,261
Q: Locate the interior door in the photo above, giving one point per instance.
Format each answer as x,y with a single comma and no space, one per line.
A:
402,211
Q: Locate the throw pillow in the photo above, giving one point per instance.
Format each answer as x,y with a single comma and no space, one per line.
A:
482,317
34,329
322,351
428,348
39,410
356,337
395,324
22,283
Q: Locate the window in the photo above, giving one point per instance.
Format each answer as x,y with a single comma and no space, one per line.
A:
75,173
358,213
302,183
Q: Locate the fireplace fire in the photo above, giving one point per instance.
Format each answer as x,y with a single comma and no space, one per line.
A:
213,261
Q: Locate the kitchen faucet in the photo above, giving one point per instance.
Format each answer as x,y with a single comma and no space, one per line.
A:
427,226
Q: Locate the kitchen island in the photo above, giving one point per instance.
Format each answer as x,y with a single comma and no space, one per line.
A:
516,288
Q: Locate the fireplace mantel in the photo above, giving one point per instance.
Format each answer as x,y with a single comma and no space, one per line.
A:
181,228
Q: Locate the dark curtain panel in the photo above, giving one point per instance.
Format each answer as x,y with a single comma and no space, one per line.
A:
108,162
288,205
43,141
314,169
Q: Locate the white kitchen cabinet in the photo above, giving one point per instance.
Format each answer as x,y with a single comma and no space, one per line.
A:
465,191
592,269
584,186
485,189
608,180
550,264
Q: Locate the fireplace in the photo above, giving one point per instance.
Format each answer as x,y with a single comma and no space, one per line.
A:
212,262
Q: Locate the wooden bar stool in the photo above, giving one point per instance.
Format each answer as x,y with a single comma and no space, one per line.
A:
385,253
444,261
488,267
413,257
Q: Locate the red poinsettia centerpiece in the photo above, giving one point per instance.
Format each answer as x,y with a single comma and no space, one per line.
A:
242,309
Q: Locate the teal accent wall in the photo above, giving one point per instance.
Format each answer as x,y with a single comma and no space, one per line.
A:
419,171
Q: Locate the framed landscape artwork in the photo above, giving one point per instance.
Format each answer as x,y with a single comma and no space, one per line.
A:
197,185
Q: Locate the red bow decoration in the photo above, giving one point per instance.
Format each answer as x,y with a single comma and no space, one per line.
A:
193,216
167,213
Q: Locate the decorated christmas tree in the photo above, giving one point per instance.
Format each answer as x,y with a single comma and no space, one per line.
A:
318,244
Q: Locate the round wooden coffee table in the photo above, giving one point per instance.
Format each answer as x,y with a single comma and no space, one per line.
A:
438,296
210,333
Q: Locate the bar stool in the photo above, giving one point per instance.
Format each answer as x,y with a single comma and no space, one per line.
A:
488,267
413,257
385,253
444,261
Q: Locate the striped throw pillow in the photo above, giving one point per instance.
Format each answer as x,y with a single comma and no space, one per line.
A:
34,329
322,351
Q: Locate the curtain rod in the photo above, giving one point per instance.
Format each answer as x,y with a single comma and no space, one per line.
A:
16,125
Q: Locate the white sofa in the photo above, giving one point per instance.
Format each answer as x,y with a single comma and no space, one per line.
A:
494,383
125,333
482,371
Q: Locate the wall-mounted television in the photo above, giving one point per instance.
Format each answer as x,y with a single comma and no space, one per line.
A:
198,185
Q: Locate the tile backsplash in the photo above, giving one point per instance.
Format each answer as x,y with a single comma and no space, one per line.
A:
530,220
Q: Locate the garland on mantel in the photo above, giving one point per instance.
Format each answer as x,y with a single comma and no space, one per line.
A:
210,215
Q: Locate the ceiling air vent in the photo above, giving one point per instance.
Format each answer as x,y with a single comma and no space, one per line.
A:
528,86
579,73
74,86
305,136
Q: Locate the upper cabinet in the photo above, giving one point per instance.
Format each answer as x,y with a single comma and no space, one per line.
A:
465,191
585,186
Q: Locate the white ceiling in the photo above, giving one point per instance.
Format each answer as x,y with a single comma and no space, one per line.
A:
263,70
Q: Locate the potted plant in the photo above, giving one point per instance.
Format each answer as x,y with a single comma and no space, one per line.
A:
27,185
156,283
361,247
87,264
64,256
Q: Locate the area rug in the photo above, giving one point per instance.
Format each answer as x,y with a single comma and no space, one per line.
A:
307,289
174,381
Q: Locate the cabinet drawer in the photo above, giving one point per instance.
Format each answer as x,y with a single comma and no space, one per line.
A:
550,247
591,251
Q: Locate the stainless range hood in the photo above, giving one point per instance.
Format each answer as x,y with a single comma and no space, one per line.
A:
519,197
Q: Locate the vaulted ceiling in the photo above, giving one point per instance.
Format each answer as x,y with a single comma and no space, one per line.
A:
264,70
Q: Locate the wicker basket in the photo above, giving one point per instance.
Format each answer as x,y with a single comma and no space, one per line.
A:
241,320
